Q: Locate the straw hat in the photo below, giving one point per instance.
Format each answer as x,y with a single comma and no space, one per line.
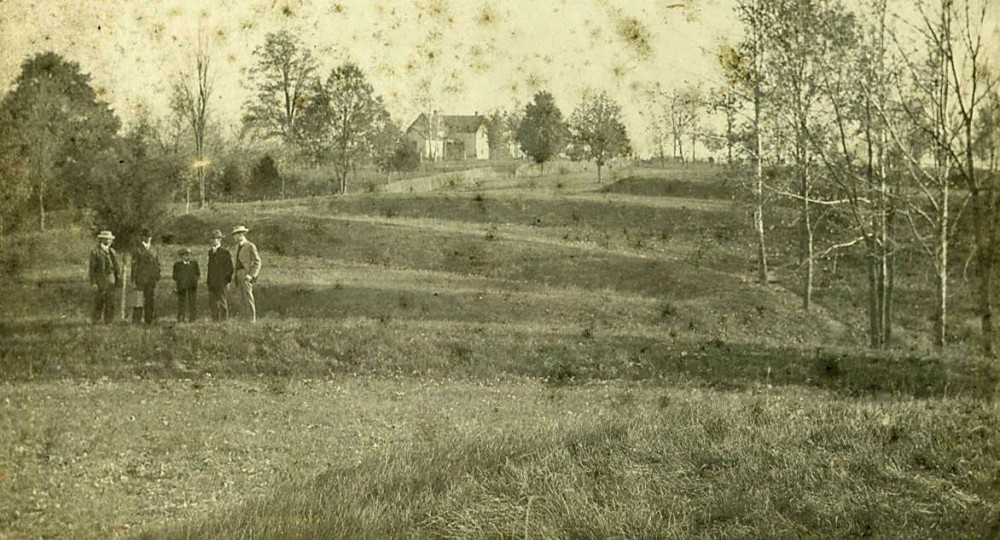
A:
240,229
105,234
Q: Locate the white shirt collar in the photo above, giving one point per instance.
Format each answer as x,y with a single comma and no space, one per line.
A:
147,244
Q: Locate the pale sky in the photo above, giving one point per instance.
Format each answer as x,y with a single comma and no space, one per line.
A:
490,53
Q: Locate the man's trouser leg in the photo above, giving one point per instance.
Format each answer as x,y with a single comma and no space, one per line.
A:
181,305
149,303
248,309
107,301
98,311
192,304
217,303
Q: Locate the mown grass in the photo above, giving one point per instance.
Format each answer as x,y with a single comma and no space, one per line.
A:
658,464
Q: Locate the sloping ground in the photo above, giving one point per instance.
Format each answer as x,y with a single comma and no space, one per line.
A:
508,360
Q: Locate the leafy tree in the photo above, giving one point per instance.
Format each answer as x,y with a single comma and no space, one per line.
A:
231,181
597,131
405,158
342,124
15,191
265,181
282,78
393,152
54,126
502,133
136,183
542,133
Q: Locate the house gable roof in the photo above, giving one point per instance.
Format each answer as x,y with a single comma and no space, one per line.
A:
452,123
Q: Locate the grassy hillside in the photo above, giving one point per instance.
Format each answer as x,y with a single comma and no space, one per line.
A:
498,355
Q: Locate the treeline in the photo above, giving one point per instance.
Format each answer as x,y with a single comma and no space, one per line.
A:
882,120
63,147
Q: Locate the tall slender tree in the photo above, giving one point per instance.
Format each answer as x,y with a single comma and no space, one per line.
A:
191,104
743,68
799,34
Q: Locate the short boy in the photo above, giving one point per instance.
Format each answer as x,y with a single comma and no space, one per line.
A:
186,274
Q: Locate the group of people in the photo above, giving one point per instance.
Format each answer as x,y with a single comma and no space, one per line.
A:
106,274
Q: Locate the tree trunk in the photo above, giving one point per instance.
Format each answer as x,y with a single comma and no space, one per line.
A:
598,173
984,264
758,217
187,198
807,244
758,103
41,209
201,185
874,317
123,301
941,315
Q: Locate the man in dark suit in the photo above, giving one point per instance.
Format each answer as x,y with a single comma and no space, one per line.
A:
186,274
220,274
247,269
105,273
145,274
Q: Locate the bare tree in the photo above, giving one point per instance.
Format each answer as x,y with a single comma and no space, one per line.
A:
683,107
950,88
743,68
854,85
799,34
191,104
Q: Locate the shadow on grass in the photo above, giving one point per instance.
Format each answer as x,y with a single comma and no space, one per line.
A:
322,348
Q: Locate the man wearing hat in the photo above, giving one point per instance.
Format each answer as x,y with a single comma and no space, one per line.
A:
220,274
145,274
106,274
186,274
247,269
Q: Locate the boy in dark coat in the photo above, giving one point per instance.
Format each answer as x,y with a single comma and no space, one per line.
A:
186,274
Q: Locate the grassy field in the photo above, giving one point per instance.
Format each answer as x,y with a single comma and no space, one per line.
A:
490,354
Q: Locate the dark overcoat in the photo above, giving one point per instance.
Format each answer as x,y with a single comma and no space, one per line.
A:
186,275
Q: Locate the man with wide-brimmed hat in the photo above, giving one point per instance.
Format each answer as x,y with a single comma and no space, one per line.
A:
220,274
145,275
247,269
186,274
105,273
